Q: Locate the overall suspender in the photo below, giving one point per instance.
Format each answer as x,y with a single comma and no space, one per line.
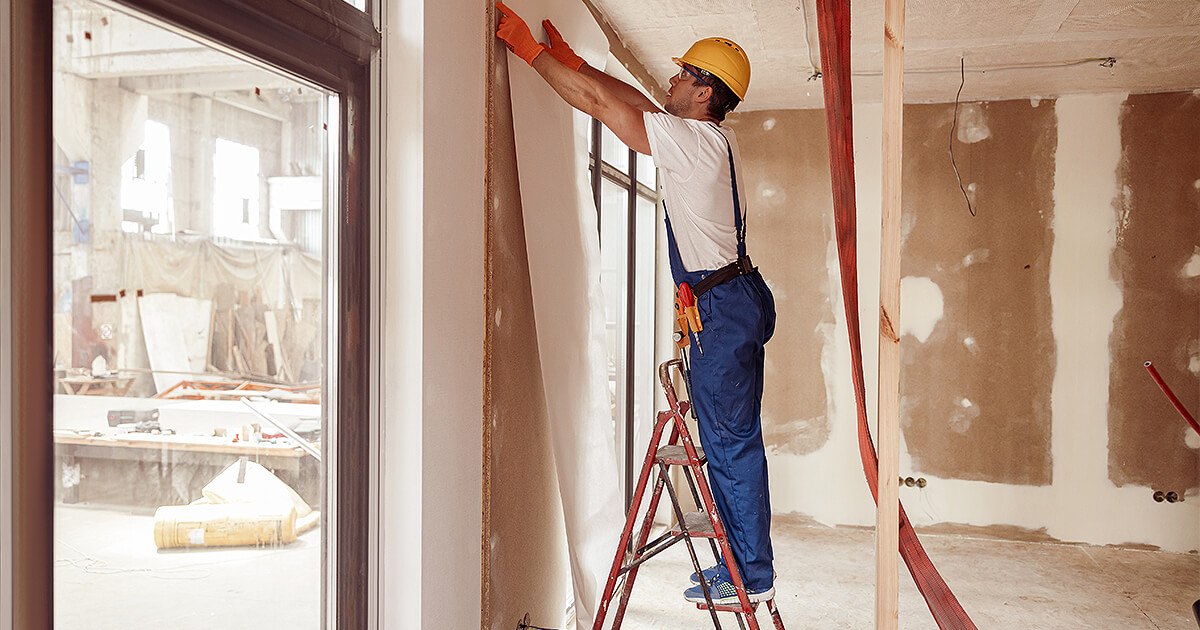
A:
742,265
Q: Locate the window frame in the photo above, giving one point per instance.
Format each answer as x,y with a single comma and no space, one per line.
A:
633,189
333,45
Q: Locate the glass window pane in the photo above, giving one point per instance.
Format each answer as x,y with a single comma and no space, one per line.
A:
644,370
613,151
646,174
191,200
614,213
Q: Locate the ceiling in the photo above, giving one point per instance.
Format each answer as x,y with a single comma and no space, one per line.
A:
1010,48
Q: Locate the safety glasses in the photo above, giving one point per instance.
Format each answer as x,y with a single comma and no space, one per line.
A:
687,70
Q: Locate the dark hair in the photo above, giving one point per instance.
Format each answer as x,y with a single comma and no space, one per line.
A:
723,100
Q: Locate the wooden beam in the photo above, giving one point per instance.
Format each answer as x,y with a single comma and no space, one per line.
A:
887,516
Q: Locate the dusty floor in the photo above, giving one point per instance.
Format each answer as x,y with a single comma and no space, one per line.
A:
826,582
109,575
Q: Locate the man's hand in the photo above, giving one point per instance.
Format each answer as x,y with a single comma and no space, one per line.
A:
559,48
515,33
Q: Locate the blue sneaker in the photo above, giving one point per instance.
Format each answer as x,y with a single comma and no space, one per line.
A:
724,594
710,574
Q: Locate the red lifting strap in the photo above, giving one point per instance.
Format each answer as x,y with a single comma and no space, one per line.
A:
833,25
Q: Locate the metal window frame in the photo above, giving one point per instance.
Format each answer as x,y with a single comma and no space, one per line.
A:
26,213
634,189
331,44
6,330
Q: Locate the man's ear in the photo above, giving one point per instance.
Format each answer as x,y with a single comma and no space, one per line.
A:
704,94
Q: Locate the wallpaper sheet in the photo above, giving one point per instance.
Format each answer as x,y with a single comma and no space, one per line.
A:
564,261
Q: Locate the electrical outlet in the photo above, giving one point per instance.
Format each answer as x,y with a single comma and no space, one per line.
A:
1170,496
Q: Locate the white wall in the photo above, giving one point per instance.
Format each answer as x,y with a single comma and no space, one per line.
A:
432,315
1082,504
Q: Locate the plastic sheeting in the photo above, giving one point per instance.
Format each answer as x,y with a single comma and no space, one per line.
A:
564,260
284,277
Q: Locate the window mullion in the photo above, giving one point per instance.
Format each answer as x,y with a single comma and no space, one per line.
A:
630,315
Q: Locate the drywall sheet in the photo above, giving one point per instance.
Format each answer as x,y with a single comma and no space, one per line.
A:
176,330
788,233
523,518
563,249
978,352
1156,263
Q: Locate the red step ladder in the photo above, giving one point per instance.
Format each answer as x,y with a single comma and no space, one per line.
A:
679,450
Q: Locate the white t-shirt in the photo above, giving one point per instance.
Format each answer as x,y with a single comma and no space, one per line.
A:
693,162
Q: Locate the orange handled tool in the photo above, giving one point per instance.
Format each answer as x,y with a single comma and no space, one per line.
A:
681,336
687,313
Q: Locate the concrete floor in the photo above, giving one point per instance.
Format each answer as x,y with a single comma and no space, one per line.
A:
109,575
826,582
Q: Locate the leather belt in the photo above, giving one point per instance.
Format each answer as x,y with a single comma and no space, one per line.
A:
739,267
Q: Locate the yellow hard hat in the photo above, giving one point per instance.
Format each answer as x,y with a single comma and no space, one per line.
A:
722,58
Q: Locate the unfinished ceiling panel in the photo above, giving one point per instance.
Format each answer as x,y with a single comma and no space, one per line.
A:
1016,48
1107,16
939,22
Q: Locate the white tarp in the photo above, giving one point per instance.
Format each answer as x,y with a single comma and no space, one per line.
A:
564,262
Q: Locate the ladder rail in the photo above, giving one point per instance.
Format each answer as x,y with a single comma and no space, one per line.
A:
664,377
701,493
643,534
690,547
627,531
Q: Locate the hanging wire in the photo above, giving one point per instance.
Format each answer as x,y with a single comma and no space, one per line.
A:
954,129
816,71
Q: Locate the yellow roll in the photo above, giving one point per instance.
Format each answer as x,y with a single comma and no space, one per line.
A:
224,525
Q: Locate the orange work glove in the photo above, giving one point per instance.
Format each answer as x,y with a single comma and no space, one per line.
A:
559,49
515,33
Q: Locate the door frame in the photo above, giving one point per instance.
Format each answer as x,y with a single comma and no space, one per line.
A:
331,44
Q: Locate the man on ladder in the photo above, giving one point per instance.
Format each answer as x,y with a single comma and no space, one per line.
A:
706,226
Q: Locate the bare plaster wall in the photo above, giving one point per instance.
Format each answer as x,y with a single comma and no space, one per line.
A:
977,350
1157,264
787,190
1031,348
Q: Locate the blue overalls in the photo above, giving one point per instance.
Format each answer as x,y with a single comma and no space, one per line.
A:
727,384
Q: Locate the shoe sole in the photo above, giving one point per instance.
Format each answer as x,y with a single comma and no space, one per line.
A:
730,601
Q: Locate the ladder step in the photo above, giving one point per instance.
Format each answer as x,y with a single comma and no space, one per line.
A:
698,525
676,455
733,608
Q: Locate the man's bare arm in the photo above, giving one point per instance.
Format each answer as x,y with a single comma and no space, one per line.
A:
593,97
622,90
561,51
